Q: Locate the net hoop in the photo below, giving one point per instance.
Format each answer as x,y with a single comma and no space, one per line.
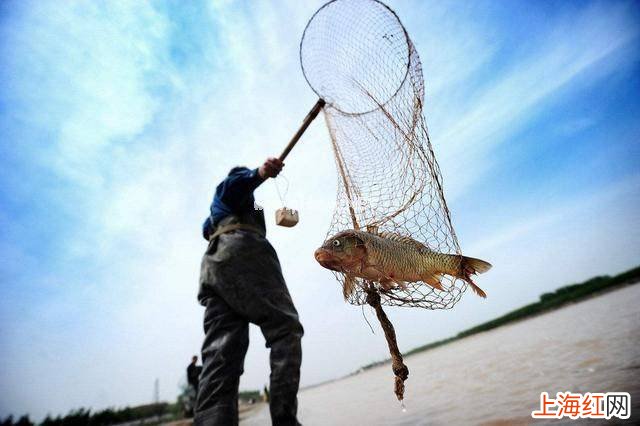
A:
328,99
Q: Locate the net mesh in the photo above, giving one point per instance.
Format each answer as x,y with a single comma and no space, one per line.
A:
358,57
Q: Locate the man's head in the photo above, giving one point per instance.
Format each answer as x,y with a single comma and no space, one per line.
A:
194,359
237,170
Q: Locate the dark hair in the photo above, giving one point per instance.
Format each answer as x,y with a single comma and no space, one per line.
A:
238,169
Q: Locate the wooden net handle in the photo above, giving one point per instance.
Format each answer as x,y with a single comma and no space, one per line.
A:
308,119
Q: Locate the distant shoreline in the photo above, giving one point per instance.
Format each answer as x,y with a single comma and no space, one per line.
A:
548,302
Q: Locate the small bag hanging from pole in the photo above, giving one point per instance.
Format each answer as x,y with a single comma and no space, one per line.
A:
285,216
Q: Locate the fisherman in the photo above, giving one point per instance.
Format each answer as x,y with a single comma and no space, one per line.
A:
193,373
241,282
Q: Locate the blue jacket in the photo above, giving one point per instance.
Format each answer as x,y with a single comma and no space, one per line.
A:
234,195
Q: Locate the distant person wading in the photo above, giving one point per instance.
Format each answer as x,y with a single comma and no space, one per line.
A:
241,282
193,373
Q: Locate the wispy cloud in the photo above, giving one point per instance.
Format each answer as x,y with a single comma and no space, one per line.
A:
624,192
506,101
86,74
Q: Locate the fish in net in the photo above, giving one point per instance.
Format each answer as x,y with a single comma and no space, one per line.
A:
391,241
358,57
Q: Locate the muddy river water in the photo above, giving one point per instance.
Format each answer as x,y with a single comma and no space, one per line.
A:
496,377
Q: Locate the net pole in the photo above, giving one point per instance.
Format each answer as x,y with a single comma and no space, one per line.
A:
308,119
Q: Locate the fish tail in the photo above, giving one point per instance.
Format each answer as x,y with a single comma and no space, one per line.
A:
469,266
477,290
475,266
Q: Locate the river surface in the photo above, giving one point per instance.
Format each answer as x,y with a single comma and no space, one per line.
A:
495,377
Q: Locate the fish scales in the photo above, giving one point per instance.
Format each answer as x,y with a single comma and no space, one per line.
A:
392,259
392,254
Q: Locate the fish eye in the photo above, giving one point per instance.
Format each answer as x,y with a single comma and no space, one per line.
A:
336,243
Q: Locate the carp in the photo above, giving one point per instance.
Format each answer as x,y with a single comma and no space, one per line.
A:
393,260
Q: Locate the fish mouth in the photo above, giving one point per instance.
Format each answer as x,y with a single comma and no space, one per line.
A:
327,260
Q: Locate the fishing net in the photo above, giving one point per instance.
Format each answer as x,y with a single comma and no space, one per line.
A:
358,57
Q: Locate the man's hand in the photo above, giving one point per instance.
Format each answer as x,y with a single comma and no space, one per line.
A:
270,168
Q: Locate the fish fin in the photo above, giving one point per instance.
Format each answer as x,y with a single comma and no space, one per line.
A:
432,279
470,266
399,283
390,283
402,239
386,283
348,286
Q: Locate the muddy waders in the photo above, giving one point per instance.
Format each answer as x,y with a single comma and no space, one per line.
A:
240,283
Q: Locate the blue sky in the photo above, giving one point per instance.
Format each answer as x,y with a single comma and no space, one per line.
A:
118,118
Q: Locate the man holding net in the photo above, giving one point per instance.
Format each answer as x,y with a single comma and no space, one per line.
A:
241,282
